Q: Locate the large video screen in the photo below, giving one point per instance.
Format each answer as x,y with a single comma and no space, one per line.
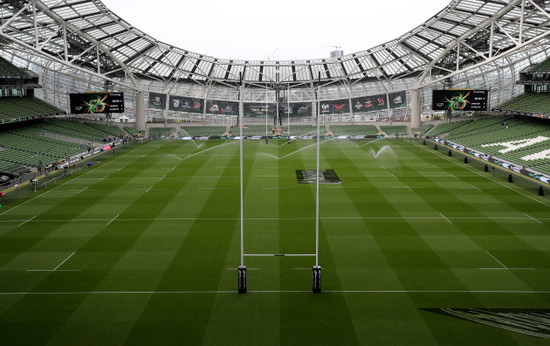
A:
460,100
97,103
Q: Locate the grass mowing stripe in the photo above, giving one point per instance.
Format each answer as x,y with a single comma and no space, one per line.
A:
145,281
78,279
197,247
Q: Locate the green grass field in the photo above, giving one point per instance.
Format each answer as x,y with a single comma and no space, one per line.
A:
143,249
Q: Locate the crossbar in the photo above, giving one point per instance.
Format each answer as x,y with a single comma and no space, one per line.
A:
278,255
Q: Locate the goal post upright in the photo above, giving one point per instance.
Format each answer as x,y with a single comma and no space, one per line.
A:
316,270
242,267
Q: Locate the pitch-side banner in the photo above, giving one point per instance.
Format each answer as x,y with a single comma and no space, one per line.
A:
335,107
258,110
379,102
369,103
398,99
222,107
157,101
295,109
186,104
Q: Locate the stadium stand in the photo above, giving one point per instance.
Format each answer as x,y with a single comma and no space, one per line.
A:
161,131
528,103
303,130
80,130
132,131
518,140
7,70
200,131
420,131
354,130
251,130
21,108
394,130
543,67
26,146
447,127
109,129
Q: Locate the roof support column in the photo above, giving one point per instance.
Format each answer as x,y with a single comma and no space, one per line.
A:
416,120
140,111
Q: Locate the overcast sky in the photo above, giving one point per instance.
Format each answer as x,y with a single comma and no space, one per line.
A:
278,30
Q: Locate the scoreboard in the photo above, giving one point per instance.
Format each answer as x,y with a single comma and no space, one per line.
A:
460,100
97,103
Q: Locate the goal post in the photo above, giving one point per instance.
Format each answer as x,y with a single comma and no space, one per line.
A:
316,270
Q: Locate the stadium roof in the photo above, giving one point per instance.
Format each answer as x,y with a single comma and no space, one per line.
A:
86,34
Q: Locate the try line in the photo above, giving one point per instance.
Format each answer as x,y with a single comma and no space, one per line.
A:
269,292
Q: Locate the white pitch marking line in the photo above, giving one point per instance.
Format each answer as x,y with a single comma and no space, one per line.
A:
302,268
246,268
66,259
161,179
278,188
32,218
342,187
496,259
449,221
84,189
213,188
532,218
304,148
149,189
113,219
279,255
506,268
51,270
264,292
475,187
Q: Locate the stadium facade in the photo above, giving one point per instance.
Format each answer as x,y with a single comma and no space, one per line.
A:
78,46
